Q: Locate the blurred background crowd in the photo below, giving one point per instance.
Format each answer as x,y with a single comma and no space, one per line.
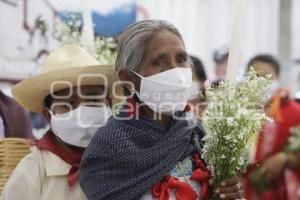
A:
30,29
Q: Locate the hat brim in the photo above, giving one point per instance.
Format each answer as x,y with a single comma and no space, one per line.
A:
32,92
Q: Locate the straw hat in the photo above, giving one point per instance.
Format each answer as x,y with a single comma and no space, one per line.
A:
65,67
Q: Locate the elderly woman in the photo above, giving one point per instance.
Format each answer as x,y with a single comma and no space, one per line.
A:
152,148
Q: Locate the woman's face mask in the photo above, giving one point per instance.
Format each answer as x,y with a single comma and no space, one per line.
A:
77,127
166,92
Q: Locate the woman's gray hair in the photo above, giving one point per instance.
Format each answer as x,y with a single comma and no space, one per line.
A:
131,44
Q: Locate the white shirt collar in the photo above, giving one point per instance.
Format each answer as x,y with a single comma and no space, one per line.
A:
54,165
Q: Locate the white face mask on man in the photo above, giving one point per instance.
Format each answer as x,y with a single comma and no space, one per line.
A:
78,126
166,92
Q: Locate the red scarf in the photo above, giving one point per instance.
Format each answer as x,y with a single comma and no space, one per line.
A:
184,191
50,143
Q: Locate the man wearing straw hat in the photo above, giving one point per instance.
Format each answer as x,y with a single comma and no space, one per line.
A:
72,93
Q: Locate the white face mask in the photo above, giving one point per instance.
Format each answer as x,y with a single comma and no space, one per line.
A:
168,91
78,126
195,90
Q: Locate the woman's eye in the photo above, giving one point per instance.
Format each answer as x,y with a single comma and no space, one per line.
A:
158,63
182,60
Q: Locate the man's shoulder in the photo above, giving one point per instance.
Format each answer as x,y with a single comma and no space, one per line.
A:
29,161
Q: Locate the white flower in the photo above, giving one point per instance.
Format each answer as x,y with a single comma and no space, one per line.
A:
240,136
227,137
230,121
241,161
242,112
68,33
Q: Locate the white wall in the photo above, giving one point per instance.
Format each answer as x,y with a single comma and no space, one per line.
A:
206,25
16,53
296,29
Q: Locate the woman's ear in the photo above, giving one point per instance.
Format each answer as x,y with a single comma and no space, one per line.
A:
127,80
47,115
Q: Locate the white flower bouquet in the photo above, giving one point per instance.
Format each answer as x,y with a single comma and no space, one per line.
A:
70,32
231,122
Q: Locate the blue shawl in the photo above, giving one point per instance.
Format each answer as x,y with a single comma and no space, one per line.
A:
127,157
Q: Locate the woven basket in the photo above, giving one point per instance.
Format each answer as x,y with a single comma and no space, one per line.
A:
12,150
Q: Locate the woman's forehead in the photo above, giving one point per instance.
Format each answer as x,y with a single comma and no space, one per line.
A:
164,38
162,43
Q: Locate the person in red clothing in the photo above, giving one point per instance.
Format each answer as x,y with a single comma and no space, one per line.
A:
275,174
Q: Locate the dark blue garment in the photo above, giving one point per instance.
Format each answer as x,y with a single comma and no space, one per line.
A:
127,157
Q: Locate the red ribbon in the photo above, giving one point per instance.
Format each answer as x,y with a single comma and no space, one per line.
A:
202,175
73,176
183,191
50,143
